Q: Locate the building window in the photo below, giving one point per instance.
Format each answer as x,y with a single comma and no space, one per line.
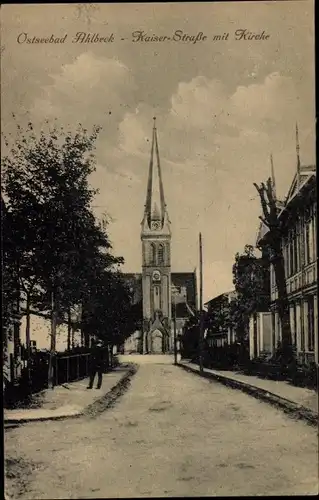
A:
307,243
294,333
285,256
314,241
311,324
161,254
153,254
295,252
290,253
298,266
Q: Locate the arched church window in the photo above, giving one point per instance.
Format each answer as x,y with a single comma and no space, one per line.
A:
153,253
161,254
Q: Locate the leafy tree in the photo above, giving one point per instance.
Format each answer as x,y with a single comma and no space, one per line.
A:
271,219
56,238
10,286
251,280
10,289
108,311
190,337
217,318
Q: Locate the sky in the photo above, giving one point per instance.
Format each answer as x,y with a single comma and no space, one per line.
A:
222,107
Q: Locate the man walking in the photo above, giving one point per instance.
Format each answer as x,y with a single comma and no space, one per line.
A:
96,362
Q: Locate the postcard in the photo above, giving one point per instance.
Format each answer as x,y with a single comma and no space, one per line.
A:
159,220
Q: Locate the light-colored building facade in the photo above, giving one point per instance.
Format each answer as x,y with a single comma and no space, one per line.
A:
260,335
298,216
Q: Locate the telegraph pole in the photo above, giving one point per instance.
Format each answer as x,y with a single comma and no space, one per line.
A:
175,339
201,322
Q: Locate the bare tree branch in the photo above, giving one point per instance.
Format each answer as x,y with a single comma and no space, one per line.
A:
264,220
261,190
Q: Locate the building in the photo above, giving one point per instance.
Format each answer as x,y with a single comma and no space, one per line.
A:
161,291
298,215
260,335
11,307
220,331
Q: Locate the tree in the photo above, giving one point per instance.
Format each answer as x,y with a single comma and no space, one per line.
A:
56,238
251,280
10,289
190,336
217,317
108,311
10,286
271,219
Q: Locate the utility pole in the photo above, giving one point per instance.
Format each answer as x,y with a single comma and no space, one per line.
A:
175,339
201,322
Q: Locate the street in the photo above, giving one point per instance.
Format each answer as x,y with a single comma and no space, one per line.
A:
171,434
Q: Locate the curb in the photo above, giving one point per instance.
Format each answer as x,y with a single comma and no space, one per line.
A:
289,407
102,403
108,400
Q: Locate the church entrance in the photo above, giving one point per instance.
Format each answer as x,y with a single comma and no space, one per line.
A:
156,342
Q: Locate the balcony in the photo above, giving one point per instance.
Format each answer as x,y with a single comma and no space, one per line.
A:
294,283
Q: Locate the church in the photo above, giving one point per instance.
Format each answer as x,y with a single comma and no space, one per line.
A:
168,298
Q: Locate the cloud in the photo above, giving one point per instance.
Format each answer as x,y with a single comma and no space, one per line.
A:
214,144
221,110
88,90
132,135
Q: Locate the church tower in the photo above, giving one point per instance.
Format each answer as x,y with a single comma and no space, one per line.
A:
156,260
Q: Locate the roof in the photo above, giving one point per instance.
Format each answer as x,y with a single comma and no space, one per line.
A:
229,295
306,173
184,279
134,282
182,310
155,202
187,279
299,182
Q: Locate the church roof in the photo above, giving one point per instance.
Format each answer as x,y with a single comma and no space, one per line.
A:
187,279
182,310
155,206
134,282
178,280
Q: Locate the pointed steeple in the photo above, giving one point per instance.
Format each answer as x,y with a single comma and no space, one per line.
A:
155,206
273,180
298,155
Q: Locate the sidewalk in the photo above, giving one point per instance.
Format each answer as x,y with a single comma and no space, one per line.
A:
303,402
68,400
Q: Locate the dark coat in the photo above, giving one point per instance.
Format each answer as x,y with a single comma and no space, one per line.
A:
97,357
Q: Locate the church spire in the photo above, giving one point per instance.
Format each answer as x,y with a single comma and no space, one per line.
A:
155,203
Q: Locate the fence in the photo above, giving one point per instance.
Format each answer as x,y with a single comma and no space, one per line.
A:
236,357
70,368
34,375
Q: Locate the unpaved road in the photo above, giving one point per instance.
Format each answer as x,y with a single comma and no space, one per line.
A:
171,434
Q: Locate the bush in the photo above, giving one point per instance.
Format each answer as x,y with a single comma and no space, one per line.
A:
227,357
304,375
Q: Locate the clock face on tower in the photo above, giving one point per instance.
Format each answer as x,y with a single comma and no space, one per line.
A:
156,276
155,225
